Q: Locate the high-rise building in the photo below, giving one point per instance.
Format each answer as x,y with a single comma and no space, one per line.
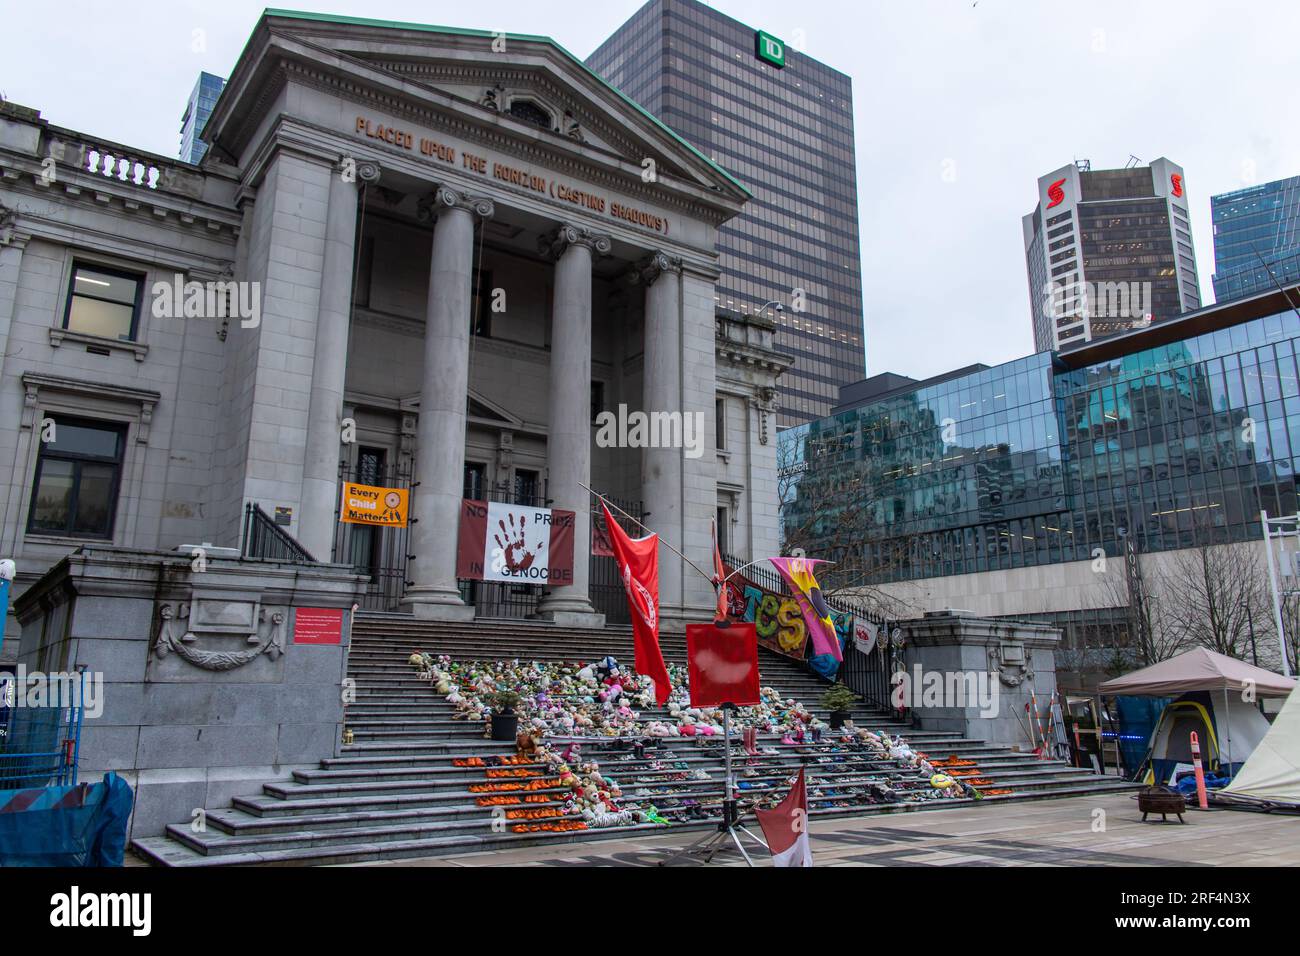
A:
197,111
1256,238
782,123
1108,251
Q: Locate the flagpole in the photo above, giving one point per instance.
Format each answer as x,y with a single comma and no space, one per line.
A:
610,504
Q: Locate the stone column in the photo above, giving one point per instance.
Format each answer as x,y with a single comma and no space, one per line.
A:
661,468
568,435
440,434
320,484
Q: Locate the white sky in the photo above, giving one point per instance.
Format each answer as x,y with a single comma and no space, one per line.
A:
999,91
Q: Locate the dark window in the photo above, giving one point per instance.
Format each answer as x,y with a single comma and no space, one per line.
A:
481,307
722,530
597,399
530,112
527,487
475,480
77,478
103,302
720,424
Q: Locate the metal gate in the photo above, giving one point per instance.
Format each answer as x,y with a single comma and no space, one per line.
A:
40,742
377,551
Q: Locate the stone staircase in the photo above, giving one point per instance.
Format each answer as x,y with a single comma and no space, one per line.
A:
401,789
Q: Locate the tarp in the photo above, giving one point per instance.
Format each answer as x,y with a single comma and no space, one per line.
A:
1199,669
1272,772
1136,720
82,825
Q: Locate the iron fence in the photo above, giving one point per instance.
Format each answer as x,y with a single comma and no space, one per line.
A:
380,552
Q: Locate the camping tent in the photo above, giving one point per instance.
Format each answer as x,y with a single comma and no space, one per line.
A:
1228,730
1272,772
1228,724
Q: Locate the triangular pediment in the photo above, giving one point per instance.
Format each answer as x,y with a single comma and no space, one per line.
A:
523,86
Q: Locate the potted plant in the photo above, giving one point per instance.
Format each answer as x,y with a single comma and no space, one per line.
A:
505,722
839,700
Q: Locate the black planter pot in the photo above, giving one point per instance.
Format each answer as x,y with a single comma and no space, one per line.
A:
505,726
837,718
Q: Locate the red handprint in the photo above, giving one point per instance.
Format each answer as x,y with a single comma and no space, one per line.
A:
513,546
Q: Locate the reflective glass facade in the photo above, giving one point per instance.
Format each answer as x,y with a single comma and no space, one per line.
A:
787,134
1034,462
1256,239
197,111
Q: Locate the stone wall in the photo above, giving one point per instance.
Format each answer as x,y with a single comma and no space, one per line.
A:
207,688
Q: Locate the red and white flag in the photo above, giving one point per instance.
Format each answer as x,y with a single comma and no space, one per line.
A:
638,566
786,827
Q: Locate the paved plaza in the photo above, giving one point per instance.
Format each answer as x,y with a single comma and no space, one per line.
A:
1046,833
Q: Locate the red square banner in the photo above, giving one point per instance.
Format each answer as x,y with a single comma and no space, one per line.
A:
318,625
723,664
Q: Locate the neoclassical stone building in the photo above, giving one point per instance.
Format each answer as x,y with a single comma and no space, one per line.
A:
451,249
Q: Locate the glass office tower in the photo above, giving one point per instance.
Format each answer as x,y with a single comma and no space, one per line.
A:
1256,239
1175,437
197,110
781,123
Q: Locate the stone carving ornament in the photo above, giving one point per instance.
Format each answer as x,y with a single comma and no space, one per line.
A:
175,635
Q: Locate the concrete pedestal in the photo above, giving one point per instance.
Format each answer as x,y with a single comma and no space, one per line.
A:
209,683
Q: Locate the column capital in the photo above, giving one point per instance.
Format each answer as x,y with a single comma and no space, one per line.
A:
446,197
366,170
553,244
645,271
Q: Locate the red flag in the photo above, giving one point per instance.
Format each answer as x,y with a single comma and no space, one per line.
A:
786,827
723,664
719,580
638,566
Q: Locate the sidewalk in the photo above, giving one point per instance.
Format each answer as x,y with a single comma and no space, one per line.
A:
1044,833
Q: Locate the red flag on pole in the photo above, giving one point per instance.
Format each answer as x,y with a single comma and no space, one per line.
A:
638,566
719,580
786,827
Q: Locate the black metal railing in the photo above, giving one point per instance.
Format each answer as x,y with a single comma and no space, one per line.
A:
372,550
264,539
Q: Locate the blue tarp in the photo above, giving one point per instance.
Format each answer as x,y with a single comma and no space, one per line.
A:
82,825
1137,719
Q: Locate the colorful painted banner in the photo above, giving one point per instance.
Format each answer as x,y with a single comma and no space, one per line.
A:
802,582
779,623
368,504
516,543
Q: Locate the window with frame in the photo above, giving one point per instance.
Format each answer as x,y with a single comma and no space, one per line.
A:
475,481
78,475
103,302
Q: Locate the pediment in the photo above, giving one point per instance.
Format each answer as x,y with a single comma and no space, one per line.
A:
525,86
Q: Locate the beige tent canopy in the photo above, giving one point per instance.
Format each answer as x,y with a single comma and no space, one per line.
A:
1198,669
1271,775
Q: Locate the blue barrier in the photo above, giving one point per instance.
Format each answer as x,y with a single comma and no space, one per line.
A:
82,825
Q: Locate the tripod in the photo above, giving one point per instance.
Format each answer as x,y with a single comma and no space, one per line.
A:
729,826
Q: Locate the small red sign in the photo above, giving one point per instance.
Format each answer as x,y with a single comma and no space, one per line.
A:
318,625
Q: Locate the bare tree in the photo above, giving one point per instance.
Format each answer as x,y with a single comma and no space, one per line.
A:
827,510
1217,595
1138,588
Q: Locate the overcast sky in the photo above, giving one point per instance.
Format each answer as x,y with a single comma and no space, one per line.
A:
995,93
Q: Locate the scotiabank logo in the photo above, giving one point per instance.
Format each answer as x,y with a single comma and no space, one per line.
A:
1176,181
1055,193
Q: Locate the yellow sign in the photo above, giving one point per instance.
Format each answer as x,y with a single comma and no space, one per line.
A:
366,504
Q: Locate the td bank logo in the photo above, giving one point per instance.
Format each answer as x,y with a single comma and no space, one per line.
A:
770,49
